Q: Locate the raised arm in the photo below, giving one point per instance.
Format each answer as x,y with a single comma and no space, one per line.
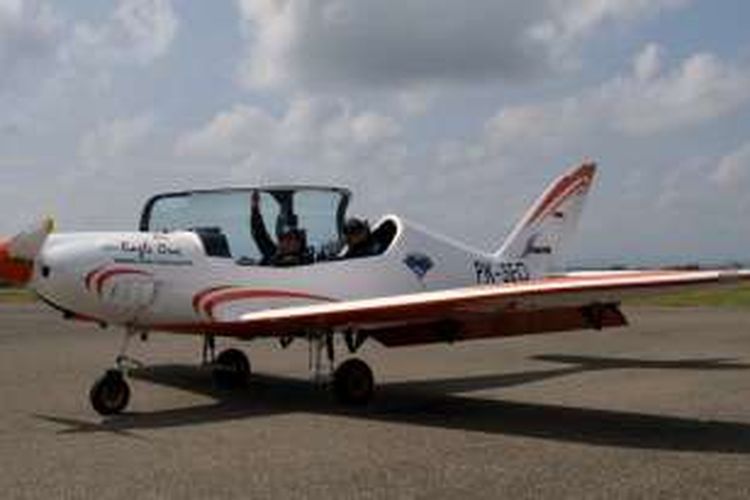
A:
258,228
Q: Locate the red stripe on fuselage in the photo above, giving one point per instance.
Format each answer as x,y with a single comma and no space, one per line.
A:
90,277
111,273
208,291
244,294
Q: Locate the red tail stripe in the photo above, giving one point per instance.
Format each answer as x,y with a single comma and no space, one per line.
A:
563,198
583,175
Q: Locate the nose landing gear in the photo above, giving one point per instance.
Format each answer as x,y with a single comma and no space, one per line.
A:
110,394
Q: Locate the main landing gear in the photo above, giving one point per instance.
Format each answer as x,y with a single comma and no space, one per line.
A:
352,381
231,369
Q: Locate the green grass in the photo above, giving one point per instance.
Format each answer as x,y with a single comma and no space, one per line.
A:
15,295
738,298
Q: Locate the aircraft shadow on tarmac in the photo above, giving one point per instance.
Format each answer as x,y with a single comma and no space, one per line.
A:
436,403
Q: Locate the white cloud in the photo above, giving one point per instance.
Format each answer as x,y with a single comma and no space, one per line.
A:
733,170
310,128
648,100
315,140
570,20
372,128
230,135
391,43
648,63
29,32
137,31
417,100
57,71
392,74
112,140
701,89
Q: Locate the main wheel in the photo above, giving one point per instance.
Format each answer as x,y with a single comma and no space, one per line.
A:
231,369
110,394
353,382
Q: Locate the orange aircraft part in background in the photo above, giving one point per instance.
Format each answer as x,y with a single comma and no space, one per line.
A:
15,271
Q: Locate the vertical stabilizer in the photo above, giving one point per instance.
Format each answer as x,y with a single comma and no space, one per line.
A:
539,237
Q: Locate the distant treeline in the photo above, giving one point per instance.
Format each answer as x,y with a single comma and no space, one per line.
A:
675,267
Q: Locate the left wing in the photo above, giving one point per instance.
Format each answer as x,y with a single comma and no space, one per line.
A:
570,302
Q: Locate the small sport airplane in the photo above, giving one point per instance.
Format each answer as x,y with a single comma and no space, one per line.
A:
195,267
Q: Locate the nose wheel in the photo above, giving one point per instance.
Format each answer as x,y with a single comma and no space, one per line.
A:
110,394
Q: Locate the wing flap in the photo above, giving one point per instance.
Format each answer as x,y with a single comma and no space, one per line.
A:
508,324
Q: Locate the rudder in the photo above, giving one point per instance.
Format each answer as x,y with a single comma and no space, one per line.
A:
538,239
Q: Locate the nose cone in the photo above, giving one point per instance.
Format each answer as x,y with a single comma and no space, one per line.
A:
15,271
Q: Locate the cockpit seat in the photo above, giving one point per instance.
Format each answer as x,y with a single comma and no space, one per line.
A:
214,241
382,236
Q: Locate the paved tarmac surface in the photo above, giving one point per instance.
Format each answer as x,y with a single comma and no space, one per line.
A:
658,410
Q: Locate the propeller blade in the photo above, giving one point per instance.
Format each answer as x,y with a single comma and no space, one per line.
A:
26,245
17,254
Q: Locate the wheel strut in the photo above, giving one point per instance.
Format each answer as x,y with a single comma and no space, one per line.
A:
208,354
110,393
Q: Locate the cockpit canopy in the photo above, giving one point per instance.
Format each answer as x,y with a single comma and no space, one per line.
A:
222,218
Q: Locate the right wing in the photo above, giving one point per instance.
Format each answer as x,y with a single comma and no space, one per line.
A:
571,302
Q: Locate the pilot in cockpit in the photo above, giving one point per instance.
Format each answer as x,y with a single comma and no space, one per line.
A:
291,249
358,238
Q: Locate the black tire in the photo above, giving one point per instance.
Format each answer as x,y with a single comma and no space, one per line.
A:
354,383
231,369
110,394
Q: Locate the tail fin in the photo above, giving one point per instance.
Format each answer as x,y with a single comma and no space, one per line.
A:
538,238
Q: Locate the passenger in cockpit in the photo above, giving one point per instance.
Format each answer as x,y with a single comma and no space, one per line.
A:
291,248
358,237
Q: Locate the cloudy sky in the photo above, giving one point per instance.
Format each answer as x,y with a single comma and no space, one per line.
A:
453,114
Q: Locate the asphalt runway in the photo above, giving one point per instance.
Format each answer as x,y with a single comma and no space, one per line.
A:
657,410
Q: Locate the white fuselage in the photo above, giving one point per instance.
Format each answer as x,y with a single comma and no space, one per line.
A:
152,279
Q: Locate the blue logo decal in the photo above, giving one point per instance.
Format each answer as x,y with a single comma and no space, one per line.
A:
419,263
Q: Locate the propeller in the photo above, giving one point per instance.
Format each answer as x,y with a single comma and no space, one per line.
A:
17,255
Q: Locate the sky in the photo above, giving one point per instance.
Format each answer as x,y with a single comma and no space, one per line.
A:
452,114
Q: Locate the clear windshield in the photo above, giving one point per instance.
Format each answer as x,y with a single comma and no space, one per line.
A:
225,216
